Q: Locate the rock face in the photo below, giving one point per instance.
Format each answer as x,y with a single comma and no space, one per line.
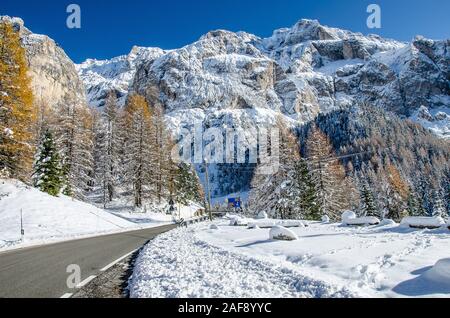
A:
239,80
299,72
115,75
55,79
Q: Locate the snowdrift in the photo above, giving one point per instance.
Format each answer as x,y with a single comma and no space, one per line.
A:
423,222
350,218
262,215
268,223
47,218
440,273
325,219
282,234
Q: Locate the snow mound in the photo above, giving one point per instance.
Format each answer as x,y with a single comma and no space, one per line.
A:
253,226
262,215
423,222
269,223
347,215
350,218
325,219
213,227
47,218
387,222
440,273
367,220
238,221
283,234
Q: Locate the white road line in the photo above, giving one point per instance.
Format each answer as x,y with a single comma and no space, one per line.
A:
86,281
104,269
68,295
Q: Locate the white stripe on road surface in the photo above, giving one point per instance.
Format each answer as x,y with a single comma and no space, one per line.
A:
86,281
104,269
68,295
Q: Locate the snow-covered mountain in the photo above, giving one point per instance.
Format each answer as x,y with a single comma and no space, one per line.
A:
55,80
115,75
300,72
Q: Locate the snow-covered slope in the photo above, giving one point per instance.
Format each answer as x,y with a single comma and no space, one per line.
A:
47,218
328,260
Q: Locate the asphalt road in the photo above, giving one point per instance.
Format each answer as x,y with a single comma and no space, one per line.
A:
41,272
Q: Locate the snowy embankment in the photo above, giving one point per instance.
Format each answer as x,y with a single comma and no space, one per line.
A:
49,219
179,265
327,260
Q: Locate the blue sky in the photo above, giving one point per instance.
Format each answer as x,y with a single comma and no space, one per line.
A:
112,27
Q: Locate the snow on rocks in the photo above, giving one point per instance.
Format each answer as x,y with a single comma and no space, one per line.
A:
262,215
269,223
423,222
253,226
282,234
178,264
213,227
350,218
388,222
325,219
238,221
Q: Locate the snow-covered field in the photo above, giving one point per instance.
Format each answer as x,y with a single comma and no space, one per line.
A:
328,260
48,219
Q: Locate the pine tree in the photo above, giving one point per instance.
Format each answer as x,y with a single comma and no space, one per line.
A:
107,147
272,192
305,193
368,203
397,193
163,145
74,131
17,112
139,149
47,175
187,186
438,206
328,175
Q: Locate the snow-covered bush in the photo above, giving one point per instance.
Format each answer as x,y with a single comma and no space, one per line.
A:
283,234
423,222
440,273
325,219
262,215
213,227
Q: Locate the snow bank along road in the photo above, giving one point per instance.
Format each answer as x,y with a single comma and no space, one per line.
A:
328,260
178,265
41,272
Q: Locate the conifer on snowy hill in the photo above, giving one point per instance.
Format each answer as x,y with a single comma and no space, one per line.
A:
17,112
187,185
369,206
47,175
328,174
305,197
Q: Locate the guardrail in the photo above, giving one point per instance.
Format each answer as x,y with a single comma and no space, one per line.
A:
185,223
